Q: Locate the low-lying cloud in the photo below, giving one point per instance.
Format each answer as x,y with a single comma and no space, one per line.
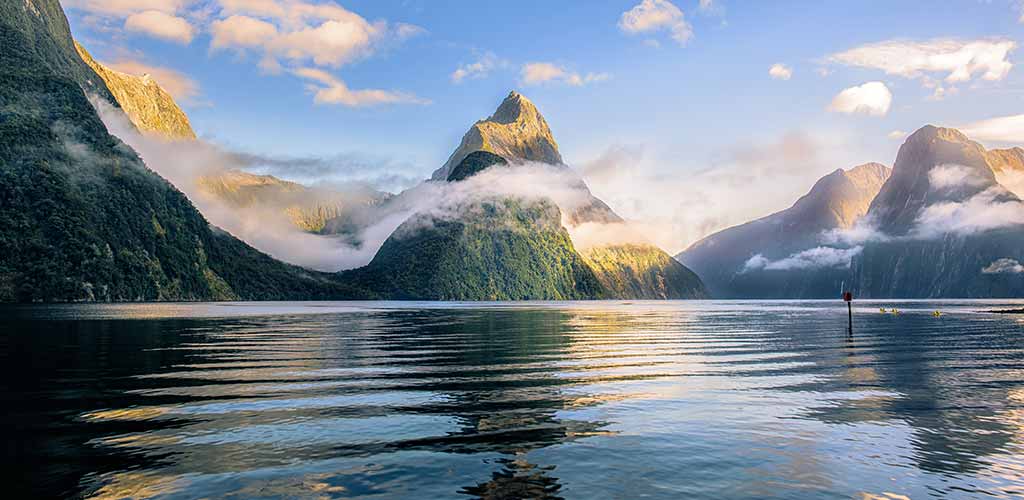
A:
814,258
1004,266
265,226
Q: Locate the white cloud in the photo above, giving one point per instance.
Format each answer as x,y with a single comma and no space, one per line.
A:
872,98
954,60
780,71
896,134
1004,266
161,25
657,15
949,175
479,69
994,208
537,73
328,89
814,258
1000,129
181,87
241,32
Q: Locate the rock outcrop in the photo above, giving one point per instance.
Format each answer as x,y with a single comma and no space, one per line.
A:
942,220
149,107
516,130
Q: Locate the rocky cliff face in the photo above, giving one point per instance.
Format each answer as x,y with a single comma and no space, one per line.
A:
148,106
516,130
836,201
945,219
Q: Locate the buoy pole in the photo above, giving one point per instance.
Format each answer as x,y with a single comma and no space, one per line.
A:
848,298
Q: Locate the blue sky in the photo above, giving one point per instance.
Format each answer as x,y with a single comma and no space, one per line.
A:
675,98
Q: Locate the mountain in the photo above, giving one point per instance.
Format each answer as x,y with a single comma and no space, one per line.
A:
509,248
82,218
307,208
149,107
494,249
836,201
944,219
515,130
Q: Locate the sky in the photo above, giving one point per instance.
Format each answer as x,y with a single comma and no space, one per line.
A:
685,116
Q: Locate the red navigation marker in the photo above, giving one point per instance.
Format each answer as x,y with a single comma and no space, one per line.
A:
848,296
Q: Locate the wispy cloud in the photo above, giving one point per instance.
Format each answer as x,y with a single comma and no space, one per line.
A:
814,258
1009,129
657,15
480,68
329,89
938,63
536,73
872,98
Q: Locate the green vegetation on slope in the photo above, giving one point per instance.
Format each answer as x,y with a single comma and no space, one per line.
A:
501,249
473,163
81,218
642,271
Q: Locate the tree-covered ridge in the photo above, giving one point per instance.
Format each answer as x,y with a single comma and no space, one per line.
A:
81,218
635,270
497,249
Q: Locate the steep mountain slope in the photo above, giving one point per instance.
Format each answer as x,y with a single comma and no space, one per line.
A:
148,106
518,246
944,218
836,201
516,130
1008,165
81,218
494,249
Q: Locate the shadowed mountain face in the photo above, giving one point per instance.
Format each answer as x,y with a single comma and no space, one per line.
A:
82,217
149,107
516,130
836,201
944,222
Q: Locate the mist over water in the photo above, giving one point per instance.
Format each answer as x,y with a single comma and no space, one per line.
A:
531,400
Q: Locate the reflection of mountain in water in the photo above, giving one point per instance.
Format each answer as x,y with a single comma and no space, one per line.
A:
909,376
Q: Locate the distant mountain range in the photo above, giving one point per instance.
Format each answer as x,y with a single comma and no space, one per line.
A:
835,202
942,224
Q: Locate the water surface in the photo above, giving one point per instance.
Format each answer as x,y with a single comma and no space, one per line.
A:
533,400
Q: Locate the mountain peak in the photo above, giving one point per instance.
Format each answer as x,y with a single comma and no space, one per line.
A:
931,132
512,108
515,131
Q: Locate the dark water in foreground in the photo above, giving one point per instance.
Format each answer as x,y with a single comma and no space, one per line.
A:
578,400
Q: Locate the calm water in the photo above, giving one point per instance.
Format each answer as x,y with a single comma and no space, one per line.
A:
577,400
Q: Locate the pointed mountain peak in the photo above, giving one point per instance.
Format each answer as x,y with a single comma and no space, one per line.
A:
516,131
514,108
